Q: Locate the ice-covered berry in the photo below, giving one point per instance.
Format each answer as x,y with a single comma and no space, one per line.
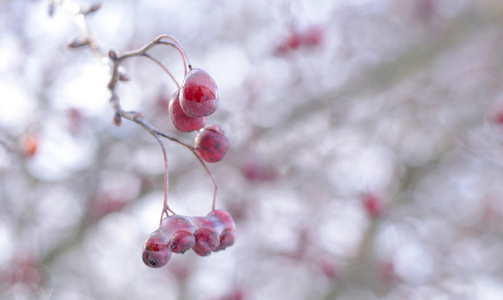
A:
211,143
198,94
181,120
156,251
207,238
180,230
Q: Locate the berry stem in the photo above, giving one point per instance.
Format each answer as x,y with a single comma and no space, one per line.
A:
194,150
214,202
138,118
165,207
112,63
86,38
163,67
175,43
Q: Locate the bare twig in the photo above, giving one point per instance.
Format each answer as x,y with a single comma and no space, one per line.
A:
163,67
113,63
137,118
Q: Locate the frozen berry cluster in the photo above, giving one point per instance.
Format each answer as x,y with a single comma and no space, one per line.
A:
189,108
177,234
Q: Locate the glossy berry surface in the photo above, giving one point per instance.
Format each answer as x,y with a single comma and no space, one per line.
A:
207,240
220,215
182,241
224,222
207,237
156,251
198,94
227,238
180,120
176,223
180,230
212,143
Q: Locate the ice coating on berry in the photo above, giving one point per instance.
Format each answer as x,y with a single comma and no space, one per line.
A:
212,143
182,241
180,120
227,238
222,216
176,223
156,251
207,238
177,234
198,94
224,223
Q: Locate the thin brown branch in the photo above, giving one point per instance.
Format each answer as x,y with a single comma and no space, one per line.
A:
113,64
138,118
163,67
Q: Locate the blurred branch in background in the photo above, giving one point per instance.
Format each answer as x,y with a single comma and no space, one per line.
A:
365,163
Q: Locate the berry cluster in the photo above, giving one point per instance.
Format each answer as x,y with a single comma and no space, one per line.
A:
189,108
177,234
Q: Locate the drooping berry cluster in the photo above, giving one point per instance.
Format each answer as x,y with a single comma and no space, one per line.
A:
177,234
189,108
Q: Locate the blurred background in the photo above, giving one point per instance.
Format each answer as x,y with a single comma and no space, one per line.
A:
366,159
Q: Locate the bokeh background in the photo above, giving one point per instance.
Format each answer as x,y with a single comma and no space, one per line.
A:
366,159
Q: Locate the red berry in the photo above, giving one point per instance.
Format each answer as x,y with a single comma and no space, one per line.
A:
176,223
329,267
221,217
227,238
180,230
207,238
182,241
30,144
294,41
224,224
313,36
206,241
291,43
156,251
198,94
255,169
180,120
310,37
212,143
373,205
387,271
498,118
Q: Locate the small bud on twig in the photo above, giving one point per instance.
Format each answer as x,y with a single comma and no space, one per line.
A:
117,120
113,54
77,43
123,76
